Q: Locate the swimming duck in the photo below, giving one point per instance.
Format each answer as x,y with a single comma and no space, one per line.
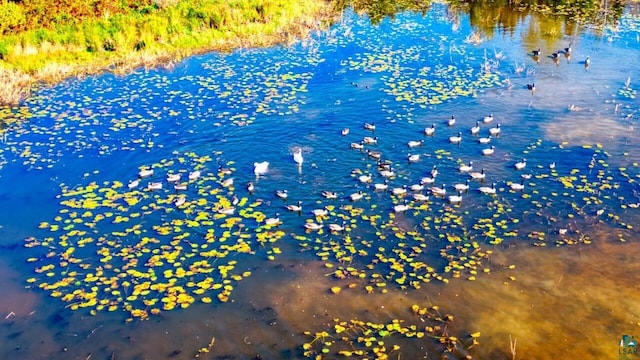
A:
430,130
488,189
475,129
297,157
466,167
260,168
521,164
451,121
489,151
456,139
495,130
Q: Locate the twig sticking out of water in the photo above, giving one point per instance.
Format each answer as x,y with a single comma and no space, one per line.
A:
512,345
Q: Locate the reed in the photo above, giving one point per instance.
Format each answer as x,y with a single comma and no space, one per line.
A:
156,33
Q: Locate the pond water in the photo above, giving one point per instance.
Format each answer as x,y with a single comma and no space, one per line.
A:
97,264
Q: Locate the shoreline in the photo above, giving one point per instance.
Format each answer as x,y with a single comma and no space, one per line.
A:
19,84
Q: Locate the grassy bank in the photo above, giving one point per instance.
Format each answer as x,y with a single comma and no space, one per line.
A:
48,43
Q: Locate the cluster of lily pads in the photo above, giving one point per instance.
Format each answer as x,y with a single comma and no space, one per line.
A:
371,340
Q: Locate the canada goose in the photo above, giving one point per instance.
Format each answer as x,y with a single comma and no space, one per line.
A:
420,197
180,187
430,130
434,171
381,187
250,187
417,187
413,158
338,227
227,210
370,140
536,52
194,175
451,121
439,191
526,176
180,201
374,154
370,126
235,200
428,180
454,199
133,184
365,178
488,189
521,164
312,226
145,173
466,167
260,168
462,187
356,196
401,207
478,175
154,186
587,62
487,119
552,165
320,212
475,129
489,151
227,182
224,171
384,165
345,132
273,220
495,130
567,49
517,186
295,207
357,146
297,157
387,173
330,194
456,139
414,143
531,87
282,194
398,191
485,140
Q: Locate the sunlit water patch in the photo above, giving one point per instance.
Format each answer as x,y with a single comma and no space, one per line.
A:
143,198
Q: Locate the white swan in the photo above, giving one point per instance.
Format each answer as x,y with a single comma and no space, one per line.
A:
260,168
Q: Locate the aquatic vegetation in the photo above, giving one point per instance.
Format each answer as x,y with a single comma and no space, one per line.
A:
372,340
